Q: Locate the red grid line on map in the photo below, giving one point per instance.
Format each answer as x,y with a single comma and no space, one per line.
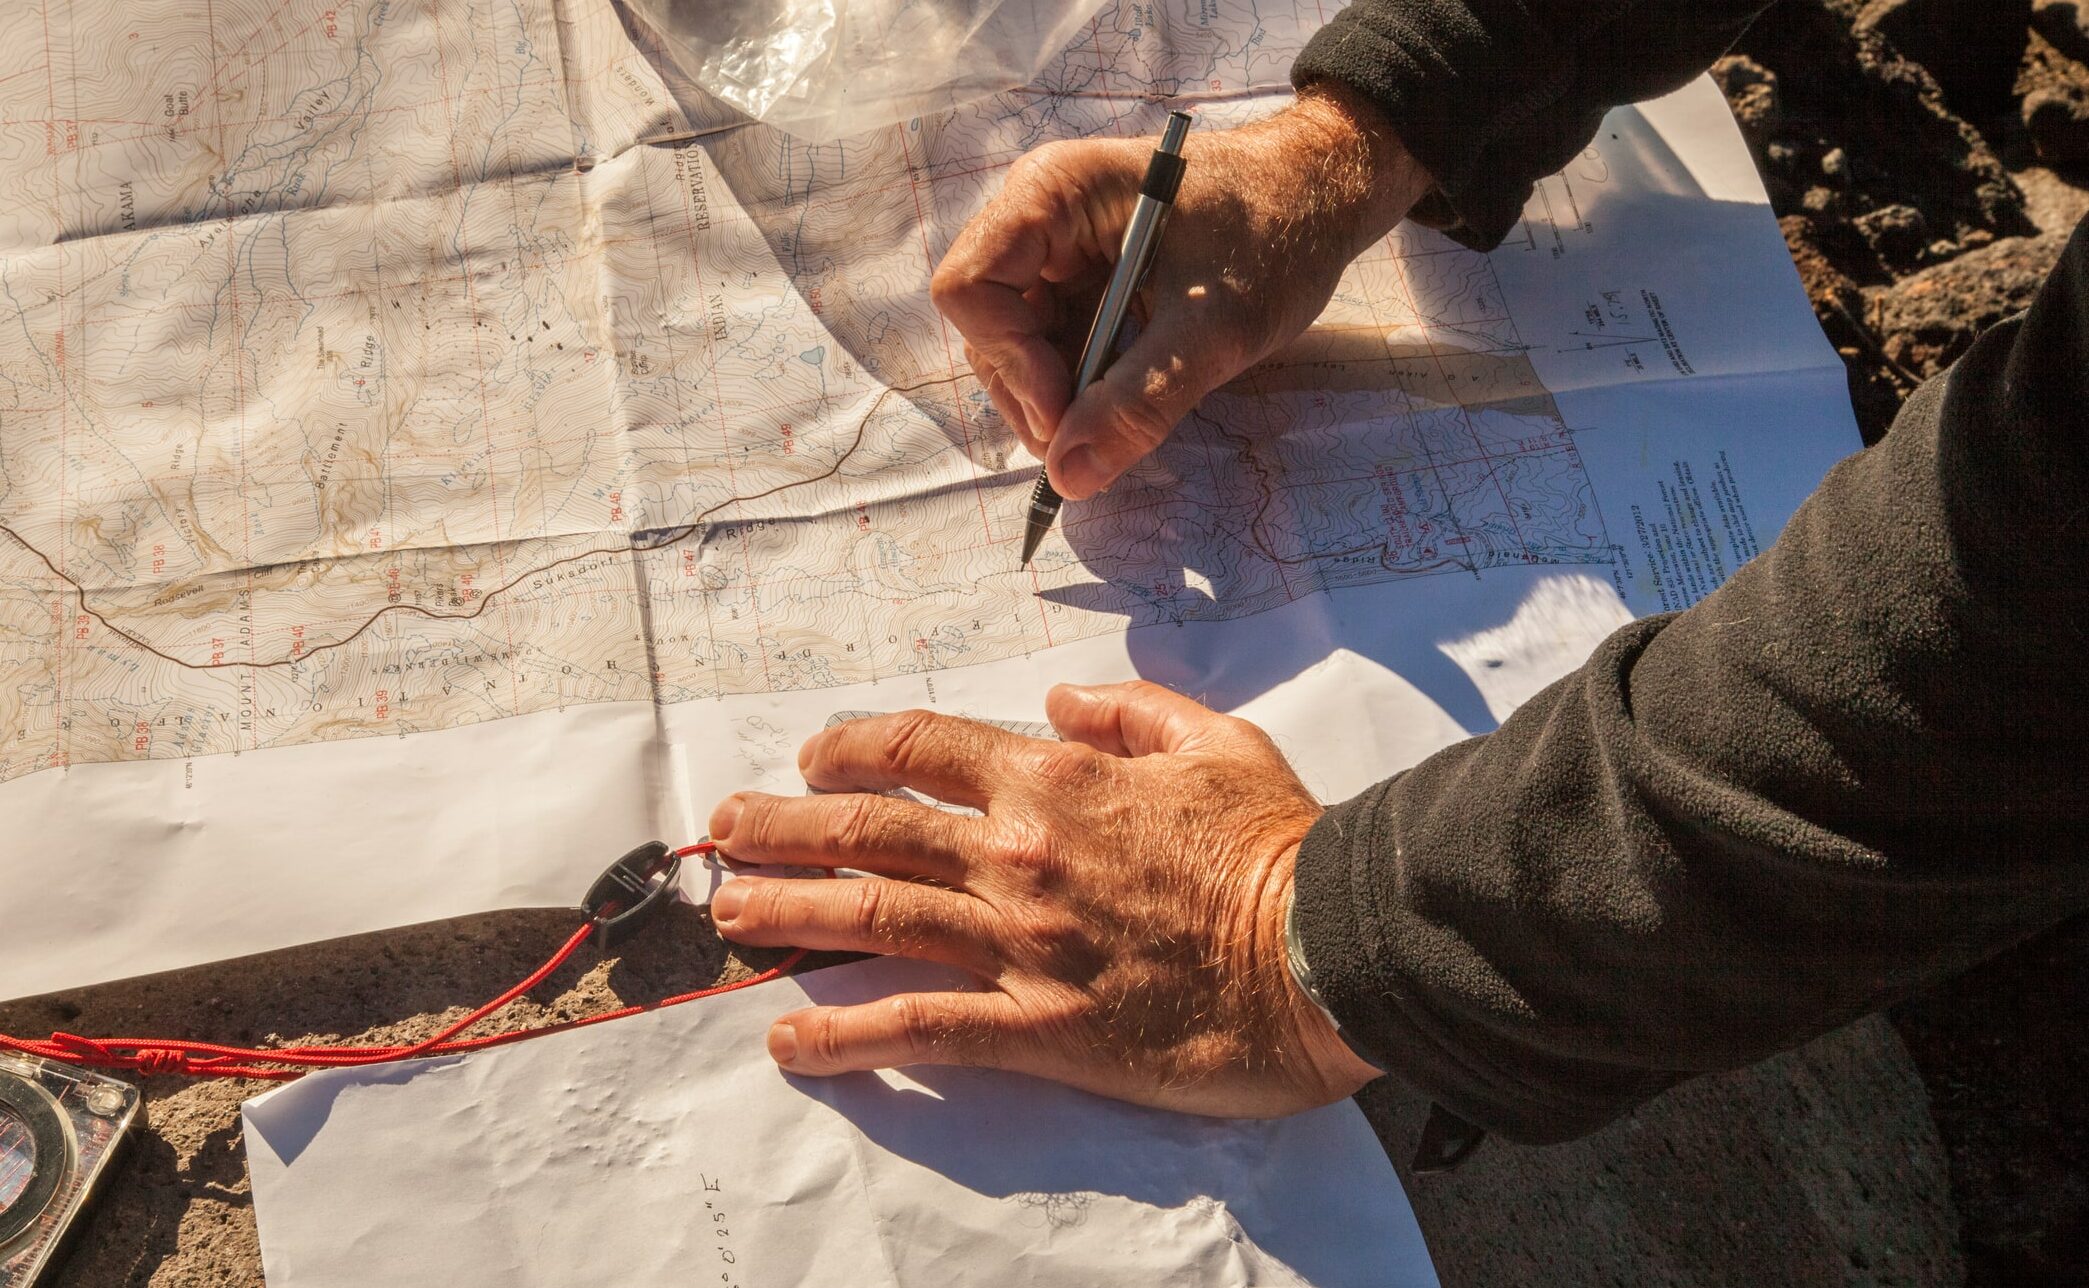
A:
950,366
59,723
688,169
244,706
694,174
218,63
478,353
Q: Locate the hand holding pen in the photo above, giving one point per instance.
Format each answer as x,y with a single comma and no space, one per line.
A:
1250,258
1142,236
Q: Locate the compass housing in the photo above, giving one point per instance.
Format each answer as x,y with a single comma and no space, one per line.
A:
60,1128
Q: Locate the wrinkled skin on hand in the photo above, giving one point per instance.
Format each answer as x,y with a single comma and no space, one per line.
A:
1121,901
1267,218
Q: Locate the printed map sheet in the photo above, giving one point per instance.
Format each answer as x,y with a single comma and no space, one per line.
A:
415,489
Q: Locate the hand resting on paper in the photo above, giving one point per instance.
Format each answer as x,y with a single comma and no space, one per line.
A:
1122,898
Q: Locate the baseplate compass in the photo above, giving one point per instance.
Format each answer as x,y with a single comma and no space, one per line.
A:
59,1131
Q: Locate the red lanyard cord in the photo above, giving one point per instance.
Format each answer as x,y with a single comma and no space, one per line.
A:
216,1060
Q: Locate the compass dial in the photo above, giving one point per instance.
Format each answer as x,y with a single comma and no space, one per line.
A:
17,1159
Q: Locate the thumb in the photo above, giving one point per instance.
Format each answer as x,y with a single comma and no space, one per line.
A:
1114,423
1136,718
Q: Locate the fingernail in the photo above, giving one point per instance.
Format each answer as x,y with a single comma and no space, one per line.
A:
783,1043
725,818
1082,469
728,902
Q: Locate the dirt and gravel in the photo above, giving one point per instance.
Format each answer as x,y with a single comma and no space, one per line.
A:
1926,159
1921,206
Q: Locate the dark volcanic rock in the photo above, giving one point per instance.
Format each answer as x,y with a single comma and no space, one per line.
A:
2065,23
1836,86
2058,121
1971,47
1751,90
1926,321
1897,234
2055,89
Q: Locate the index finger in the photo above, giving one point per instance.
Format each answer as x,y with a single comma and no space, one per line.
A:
1029,234
960,761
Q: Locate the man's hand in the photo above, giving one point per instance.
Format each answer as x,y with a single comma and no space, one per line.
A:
1122,897
1268,217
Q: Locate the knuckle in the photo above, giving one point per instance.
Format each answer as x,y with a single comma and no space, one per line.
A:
852,826
1252,735
905,735
1146,416
1025,848
930,1029
921,1024
1066,947
1051,185
1037,167
948,282
867,911
764,906
756,830
820,1038
1066,764
1167,390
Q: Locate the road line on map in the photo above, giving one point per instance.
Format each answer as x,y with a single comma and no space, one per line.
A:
682,532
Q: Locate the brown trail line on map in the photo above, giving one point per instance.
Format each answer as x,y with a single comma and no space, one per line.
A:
681,533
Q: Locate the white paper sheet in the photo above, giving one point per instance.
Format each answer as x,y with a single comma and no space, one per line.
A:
667,1149
414,489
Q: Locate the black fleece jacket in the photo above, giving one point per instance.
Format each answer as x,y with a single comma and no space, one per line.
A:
1856,768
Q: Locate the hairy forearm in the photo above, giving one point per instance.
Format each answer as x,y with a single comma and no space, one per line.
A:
1348,163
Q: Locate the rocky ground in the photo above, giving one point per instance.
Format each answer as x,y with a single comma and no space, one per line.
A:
1927,160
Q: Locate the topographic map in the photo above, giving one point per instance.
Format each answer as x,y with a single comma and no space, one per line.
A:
364,371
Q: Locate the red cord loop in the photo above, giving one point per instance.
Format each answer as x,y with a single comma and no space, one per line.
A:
86,1051
213,1060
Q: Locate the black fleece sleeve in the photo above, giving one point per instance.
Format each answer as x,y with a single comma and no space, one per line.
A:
1492,95
1858,767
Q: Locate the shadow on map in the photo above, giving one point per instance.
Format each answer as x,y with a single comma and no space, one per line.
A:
1066,1148
1226,601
